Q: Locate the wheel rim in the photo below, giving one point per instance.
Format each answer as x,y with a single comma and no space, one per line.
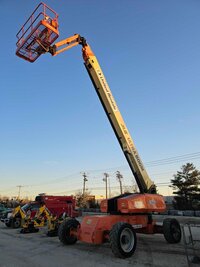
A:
127,240
17,223
69,232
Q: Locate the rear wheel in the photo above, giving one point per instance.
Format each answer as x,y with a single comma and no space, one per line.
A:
172,230
64,231
123,240
16,222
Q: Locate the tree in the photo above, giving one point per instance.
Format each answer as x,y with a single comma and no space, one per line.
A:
186,185
83,200
133,188
80,199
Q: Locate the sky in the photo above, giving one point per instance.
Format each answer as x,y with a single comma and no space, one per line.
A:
52,125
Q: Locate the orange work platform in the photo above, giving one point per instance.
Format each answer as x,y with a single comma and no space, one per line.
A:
38,33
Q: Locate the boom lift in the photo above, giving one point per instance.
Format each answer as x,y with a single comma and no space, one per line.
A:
128,213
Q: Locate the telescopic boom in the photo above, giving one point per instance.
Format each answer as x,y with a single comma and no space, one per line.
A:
112,111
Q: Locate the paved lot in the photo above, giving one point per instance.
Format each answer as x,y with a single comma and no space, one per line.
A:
38,250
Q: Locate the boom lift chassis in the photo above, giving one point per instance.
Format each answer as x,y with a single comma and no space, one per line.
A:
126,214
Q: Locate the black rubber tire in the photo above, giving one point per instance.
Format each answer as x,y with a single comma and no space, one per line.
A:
64,231
29,230
52,233
16,222
172,230
8,224
117,238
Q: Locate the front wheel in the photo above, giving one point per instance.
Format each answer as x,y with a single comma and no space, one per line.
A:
65,231
15,222
8,224
53,232
172,230
123,240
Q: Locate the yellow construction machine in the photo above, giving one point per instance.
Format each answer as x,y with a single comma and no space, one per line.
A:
42,218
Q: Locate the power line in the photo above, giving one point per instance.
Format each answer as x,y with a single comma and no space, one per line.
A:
169,160
103,188
154,163
57,179
164,161
191,155
172,161
7,189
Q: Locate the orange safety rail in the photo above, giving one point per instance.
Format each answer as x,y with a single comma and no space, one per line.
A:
38,33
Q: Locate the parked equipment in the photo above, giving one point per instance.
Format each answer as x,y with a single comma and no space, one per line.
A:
16,217
4,210
128,213
43,217
57,205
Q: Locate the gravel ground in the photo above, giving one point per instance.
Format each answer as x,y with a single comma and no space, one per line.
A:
38,250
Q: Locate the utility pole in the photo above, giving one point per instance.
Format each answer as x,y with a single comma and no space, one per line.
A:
84,181
109,187
20,186
119,178
105,179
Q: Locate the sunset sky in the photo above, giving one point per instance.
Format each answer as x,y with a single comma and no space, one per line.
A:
52,125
